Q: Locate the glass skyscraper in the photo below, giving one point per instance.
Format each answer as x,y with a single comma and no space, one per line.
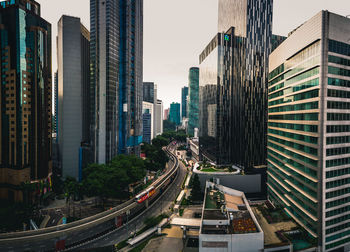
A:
25,96
308,129
233,85
174,114
184,94
149,92
193,103
116,77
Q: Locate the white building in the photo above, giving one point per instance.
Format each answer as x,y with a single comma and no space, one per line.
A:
158,118
228,223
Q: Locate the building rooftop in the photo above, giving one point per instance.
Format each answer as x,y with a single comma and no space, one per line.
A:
226,211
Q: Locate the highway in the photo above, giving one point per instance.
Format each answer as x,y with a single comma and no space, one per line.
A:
92,227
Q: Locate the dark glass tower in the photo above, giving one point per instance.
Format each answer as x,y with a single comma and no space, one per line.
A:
184,94
234,70
174,114
193,94
25,96
116,77
148,92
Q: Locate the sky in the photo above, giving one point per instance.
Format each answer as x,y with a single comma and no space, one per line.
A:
176,32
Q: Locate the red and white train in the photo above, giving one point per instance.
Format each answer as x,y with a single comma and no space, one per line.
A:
141,197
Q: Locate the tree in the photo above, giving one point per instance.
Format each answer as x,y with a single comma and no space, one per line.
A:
160,141
196,192
169,125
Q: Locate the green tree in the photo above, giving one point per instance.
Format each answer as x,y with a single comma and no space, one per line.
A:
169,125
196,192
160,141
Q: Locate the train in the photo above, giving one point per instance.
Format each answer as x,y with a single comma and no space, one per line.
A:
141,197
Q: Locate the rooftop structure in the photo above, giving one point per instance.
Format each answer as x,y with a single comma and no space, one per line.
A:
228,222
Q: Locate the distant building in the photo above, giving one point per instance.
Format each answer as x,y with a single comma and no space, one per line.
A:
308,129
73,57
149,92
25,97
193,105
166,114
147,114
174,114
158,115
184,94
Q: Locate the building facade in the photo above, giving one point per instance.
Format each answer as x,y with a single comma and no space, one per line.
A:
158,115
166,114
233,76
193,102
25,97
174,114
73,58
149,91
184,94
116,77
148,125
308,129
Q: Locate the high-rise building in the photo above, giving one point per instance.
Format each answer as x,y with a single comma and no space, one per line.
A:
193,104
174,114
55,117
158,115
73,57
233,76
148,125
25,97
184,94
166,114
149,90
308,129
116,77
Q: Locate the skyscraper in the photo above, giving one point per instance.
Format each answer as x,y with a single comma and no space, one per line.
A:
233,76
308,129
73,56
116,82
148,125
158,115
25,97
184,94
193,104
174,114
148,92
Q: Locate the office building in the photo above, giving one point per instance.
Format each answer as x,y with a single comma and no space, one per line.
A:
193,102
174,114
166,114
149,91
73,57
148,125
25,97
158,116
116,77
233,85
184,94
55,118
308,129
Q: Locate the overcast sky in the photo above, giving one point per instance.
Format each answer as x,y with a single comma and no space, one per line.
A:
176,31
